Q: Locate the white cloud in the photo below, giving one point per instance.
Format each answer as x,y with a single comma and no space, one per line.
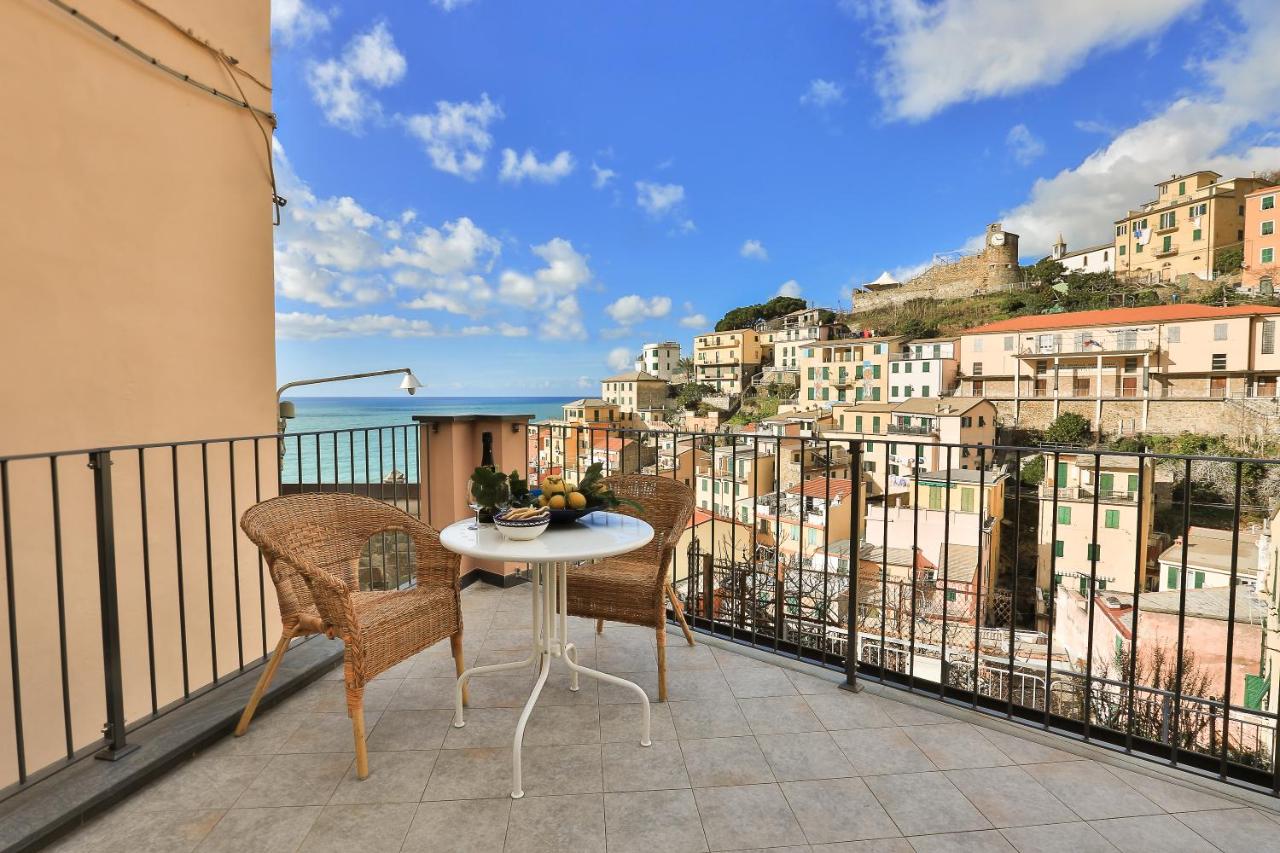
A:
602,176
754,249
1024,145
694,321
822,93
450,5
456,136
297,325
563,322
952,51
790,287
341,86
506,330
658,199
632,309
518,167
456,247
296,21
621,358
1216,128
551,289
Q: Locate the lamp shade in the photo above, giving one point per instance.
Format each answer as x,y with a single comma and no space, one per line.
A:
410,383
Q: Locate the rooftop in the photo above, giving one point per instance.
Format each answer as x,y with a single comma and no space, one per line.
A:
1210,602
746,754
963,475
822,487
1122,316
1209,548
634,376
949,407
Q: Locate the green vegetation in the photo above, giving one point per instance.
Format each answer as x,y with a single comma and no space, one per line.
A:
1228,260
1032,473
756,409
748,315
689,395
1068,428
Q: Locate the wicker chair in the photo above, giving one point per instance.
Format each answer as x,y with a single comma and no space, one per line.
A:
632,588
312,544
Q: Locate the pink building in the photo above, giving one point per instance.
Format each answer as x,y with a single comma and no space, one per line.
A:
1261,243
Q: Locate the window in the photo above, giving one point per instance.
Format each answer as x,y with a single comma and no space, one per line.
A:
977,368
977,344
1199,580
893,390
857,423
1182,187
811,373
893,368
1094,552
1268,202
1008,343
935,497
1195,235
1219,331
1131,364
1269,337
1064,515
924,390
966,422
978,388
1137,248
924,368
951,595
1268,227
1267,256
1218,361
1058,548
1121,250
966,500
1169,219
1171,577
1121,230
1112,519
1174,334
1199,209
1166,245
812,397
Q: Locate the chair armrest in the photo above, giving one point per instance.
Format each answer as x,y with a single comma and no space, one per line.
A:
330,593
436,565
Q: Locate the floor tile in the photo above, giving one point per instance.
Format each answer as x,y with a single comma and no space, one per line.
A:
922,803
1024,751
572,769
1057,838
369,828
328,732
1090,791
394,777
842,710
804,755
876,751
956,745
142,832
648,821
743,817
712,718
614,694
882,845
779,715
463,774
628,766
831,810
962,842
561,724
266,735
425,694
748,683
1235,830
807,684
622,722
683,656
725,761
484,727
1150,833
211,782
557,824
459,826
1171,797
904,714
1008,796
299,779
409,730
264,830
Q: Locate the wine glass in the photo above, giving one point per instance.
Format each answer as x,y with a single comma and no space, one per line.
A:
488,496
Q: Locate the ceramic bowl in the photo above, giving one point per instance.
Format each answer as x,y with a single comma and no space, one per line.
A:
522,530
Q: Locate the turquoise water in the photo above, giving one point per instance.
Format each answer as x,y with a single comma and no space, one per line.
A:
370,455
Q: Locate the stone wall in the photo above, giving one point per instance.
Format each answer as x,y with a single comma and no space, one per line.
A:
1124,417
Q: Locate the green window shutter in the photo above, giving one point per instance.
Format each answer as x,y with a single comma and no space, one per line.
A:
1171,580
810,372
1094,552
1256,688
893,449
875,393
1195,235
826,373
935,497
924,391
893,368
875,371
1107,482
1199,582
1182,187
893,391
924,368
1113,519
857,394
826,393
1058,548
1122,248
811,394
1064,515
857,424
951,595
875,424
1168,243
1084,585
1062,475
1137,248
840,395
1133,482
966,500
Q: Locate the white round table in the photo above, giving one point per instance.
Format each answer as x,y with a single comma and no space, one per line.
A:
598,535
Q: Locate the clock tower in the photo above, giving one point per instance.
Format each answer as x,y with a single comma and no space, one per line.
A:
1000,252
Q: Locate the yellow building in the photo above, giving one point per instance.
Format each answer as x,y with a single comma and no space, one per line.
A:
848,370
729,480
635,391
1192,217
727,361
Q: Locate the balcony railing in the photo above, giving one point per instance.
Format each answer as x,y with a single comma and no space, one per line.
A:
1084,493
979,633
912,429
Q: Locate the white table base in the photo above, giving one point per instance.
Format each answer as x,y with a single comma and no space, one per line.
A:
550,640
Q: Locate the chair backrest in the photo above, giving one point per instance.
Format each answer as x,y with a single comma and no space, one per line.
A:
668,506
328,529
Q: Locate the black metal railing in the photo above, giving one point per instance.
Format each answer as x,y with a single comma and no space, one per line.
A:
1000,602
132,555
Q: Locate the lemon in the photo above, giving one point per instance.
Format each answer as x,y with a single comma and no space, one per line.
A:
570,486
557,502
553,485
542,500
577,500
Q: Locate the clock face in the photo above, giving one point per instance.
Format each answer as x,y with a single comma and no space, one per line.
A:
997,239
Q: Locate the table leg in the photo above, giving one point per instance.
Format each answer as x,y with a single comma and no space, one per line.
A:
544,588
535,653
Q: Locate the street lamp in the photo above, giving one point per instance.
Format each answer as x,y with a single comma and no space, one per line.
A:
286,410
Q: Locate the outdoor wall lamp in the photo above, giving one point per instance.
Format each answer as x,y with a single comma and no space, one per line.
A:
286,410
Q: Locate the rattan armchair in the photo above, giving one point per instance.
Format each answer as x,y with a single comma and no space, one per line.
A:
632,588
312,545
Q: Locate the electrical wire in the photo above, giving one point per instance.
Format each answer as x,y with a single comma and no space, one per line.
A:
229,63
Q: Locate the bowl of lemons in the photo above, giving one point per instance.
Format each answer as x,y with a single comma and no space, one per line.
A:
564,499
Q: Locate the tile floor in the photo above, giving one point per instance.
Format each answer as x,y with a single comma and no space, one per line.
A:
746,756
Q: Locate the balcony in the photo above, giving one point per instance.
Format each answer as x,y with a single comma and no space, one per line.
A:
757,745
903,429
1086,493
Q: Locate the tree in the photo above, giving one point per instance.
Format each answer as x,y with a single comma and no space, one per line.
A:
1228,260
1068,428
690,394
1046,271
1032,473
747,316
916,327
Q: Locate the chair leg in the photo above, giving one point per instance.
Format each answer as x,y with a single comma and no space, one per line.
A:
662,662
675,605
599,626
459,662
264,681
355,705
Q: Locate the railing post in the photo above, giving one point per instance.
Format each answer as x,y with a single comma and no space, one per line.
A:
108,600
851,619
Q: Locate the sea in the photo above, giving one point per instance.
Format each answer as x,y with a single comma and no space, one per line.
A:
371,455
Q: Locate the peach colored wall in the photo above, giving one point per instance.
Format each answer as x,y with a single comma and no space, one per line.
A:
138,307
1255,241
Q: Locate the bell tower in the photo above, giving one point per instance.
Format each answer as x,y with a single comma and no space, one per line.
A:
1000,252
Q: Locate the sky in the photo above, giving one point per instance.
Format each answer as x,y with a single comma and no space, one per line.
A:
511,197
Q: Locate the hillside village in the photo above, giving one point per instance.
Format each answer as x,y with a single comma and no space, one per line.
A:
882,437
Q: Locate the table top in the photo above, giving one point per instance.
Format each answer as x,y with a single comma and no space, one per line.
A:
600,534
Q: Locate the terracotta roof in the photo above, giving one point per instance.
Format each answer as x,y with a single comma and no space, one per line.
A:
953,406
634,376
1122,316
817,487
587,401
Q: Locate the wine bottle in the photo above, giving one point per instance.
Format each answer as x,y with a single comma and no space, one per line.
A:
486,451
